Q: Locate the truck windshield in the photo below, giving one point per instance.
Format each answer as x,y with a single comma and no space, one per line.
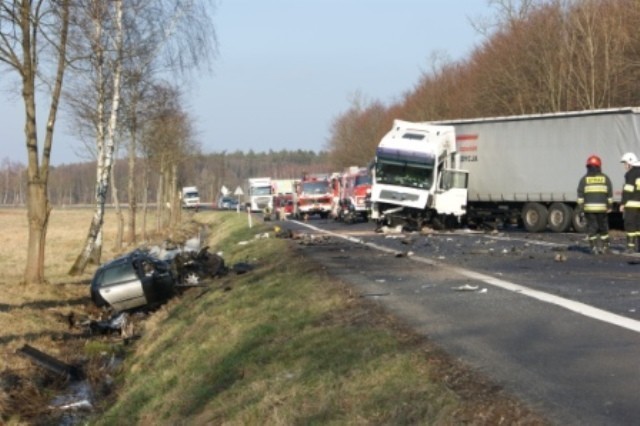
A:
393,171
261,190
318,187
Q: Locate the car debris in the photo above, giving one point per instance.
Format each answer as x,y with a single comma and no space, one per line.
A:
66,371
466,287
193,267
118,323
559,257
374,295
78,398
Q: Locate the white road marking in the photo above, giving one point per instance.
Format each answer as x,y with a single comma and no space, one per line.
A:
577,307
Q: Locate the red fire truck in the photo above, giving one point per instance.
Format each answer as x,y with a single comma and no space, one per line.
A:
355,188
313,196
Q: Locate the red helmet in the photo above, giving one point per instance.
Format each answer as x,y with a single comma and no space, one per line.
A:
594,161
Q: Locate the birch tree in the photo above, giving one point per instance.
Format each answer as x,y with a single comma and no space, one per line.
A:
30,32
169,37
106,64
155,32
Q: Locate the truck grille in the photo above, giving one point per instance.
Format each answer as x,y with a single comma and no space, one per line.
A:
397,196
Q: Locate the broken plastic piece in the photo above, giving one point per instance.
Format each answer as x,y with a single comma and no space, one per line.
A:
466,287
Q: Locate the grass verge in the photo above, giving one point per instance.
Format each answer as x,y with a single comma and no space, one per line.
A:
285,344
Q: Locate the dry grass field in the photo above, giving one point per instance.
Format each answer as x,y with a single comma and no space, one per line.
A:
37,315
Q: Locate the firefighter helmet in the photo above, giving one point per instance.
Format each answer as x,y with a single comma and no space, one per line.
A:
594,161
629,158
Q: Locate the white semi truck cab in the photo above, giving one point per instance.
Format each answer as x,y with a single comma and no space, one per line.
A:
416,180
259,194
190,197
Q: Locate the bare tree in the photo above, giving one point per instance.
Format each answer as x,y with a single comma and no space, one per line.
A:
167,37
146,32
27,30
599,42
106,54
356,133
168,142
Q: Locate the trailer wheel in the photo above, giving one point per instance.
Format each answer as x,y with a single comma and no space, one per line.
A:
578,221
560,217
534,217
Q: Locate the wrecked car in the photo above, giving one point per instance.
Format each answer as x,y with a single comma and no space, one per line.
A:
140,279
133,280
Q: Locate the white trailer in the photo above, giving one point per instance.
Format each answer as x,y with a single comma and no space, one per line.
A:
283,186
526,168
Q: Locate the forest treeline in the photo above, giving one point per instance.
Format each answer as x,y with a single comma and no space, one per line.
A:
537,56
73,184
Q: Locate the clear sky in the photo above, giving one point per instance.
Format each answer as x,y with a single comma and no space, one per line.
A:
287,68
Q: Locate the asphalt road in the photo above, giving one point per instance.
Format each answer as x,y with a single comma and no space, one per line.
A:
551,323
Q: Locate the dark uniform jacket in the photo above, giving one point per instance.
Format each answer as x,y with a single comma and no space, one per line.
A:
595,193
631,189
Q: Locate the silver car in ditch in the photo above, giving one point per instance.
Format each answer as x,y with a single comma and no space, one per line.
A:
132,281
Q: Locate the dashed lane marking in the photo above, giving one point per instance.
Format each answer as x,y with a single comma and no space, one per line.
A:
571,305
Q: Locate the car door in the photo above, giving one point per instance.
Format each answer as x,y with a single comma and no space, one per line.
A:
121,287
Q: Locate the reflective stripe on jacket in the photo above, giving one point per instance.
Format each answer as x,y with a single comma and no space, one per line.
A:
595,193
631,188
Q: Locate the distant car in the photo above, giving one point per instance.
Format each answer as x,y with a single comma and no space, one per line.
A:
227,203
132,281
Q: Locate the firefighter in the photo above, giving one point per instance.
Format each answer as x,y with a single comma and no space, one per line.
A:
630,205
595,197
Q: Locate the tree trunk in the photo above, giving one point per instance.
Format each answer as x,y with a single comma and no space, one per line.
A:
119,215
145,198
93,245
131,189
159,201
174,199
38,209
94,231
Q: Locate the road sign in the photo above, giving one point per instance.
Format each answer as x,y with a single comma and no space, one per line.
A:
238,191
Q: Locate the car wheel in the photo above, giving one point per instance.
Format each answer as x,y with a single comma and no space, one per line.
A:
191,278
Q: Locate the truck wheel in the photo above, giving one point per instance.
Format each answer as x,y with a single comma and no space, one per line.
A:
578,221
534,217
560,217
